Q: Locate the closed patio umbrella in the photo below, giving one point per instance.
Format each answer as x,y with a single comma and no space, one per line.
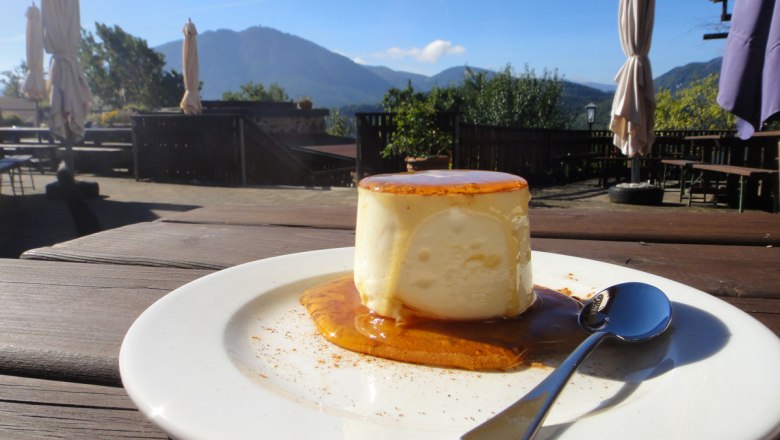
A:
633,108
190,102
750,74
34,85
69,91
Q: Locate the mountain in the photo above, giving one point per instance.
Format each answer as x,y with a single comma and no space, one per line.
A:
576,96
609,88
399,79
264,55
681,77
229,59
454,76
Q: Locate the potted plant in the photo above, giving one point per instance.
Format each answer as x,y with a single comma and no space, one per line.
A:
417,137
304,103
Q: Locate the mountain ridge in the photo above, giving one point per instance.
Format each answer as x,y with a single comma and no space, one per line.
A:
265,55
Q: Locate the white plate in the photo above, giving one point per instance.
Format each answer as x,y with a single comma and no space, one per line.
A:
234,355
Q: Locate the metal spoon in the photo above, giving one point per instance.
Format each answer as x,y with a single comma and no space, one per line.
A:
631,312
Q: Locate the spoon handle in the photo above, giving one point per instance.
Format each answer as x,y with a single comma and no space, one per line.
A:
523,418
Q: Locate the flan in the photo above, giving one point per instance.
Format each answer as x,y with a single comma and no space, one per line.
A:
444,244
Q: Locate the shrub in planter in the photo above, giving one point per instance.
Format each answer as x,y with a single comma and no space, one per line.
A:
416,134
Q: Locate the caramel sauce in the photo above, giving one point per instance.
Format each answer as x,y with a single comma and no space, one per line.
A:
549,326
443,182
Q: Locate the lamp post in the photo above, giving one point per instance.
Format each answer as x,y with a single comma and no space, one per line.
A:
590,112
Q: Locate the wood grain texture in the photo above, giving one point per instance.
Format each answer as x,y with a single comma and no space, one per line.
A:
749,228
279,214
191,246
66,321
727,228
35,409
734,271
723,270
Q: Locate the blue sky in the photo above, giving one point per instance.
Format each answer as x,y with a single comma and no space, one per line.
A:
578,38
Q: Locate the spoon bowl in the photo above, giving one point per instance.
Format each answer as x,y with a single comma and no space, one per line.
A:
629,312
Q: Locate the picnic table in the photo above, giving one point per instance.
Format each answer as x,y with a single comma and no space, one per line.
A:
100,148
735,161
65,309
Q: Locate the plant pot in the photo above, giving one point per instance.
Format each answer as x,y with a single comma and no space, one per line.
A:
636,194
427,163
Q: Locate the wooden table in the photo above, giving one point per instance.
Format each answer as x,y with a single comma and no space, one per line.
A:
743,173
727,155
64,309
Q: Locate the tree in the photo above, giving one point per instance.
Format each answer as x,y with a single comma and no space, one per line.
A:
257,92
395,97
338,124
13,81
415,129
122,69
692,108
508,100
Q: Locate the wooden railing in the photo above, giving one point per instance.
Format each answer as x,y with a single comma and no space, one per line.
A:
202,148
102,150
373,130
226,148
541,155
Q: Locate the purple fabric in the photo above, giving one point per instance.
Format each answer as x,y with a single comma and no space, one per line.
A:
750,75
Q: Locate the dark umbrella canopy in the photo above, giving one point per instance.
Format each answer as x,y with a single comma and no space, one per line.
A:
750,75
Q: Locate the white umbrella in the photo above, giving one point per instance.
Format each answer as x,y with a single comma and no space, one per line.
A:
34,85
190,103
633,108
69,92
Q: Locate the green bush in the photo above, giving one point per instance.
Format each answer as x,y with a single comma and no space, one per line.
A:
415,131
11,119
115,117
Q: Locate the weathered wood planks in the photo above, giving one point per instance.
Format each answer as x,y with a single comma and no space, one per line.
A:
34,409
66,321
750,228
191,246
733,271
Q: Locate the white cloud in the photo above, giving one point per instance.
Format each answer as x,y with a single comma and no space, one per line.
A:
431,53
359,60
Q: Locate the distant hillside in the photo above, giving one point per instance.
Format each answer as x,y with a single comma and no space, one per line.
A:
399,79
229,59
577,96
264,55
609,88
681,77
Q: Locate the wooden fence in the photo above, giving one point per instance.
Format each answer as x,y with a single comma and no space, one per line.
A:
225,148
540,155
202,148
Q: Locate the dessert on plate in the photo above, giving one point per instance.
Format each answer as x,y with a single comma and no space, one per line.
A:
444,244
442,275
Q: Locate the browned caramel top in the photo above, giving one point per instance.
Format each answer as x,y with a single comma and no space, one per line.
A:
443,182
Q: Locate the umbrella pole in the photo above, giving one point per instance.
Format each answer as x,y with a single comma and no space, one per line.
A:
69,150
636,167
